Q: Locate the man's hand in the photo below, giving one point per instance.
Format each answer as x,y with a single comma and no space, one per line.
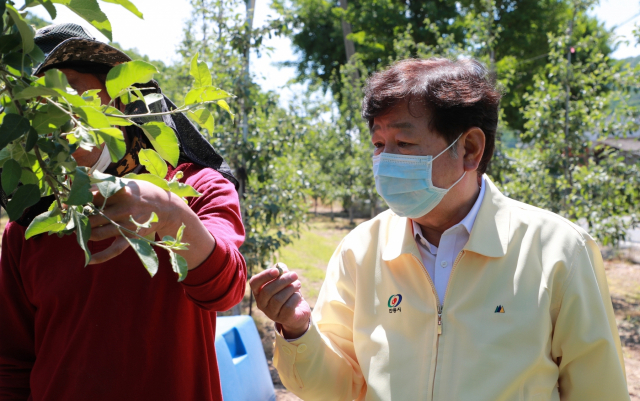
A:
280,299
139,199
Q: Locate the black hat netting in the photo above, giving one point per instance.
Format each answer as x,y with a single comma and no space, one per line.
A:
51,36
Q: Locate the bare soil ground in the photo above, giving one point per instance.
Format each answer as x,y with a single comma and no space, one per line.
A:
624,284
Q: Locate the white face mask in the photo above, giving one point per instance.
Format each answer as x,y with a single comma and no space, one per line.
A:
103,161
404,182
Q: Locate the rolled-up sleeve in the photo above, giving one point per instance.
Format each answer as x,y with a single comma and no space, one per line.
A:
219,282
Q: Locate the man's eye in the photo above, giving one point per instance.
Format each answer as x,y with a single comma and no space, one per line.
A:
403,144
378,145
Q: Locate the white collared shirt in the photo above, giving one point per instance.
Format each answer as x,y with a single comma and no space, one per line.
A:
439,260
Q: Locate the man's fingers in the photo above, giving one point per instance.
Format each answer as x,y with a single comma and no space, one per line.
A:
275,302
118,246
260,279
272,288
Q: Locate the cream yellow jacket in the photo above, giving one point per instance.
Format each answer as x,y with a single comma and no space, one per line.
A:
527,316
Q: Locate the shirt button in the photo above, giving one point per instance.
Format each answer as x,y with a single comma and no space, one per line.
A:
443,263
287,351
302,348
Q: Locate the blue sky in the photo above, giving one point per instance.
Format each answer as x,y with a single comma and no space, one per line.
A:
161,31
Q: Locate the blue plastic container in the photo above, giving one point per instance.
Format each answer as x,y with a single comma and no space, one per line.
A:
244,373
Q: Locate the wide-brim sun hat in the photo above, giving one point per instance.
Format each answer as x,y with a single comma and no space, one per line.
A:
71,45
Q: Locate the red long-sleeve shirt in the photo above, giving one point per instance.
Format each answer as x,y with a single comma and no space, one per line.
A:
110,331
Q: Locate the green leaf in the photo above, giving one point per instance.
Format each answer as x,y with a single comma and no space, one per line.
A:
124,75
107,184
225,106
50,221
90,11
147,224
13,127
80,189
24,197
32,139
204,118
179,265
205,94
182,190
114,139
37,55
153,162
26,31
154,179
51,9
83,232
49,118
121,122
146,254
200,72
29,177
55,79
74,100
11,172
164,141
92,116
128,5
35,91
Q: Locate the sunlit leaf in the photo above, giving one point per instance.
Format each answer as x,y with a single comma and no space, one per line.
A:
164,141
26,31
225,106
80,189
147,224
35,91
146,254
128,5
200,72
116,144
205,94
153,162
183,190
124,75
154,179
92,117
83,232
49,118
179,265
90,11
50,221
204,118
119,121
107,184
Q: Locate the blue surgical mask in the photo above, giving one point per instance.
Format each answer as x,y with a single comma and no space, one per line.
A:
404,182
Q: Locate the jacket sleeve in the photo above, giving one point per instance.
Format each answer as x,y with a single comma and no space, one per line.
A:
219,282
585,341
17,350
322,364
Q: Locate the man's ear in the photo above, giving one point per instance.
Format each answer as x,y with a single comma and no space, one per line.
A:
473,141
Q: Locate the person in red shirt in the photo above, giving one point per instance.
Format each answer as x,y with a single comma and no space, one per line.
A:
109,331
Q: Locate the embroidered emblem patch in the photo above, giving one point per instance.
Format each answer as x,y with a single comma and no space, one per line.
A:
394,303
499,309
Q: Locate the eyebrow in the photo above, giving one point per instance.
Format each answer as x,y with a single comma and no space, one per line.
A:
401,125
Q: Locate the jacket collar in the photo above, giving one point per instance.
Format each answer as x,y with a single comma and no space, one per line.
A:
489,236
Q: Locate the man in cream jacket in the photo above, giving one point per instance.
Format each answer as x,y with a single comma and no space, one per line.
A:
457,293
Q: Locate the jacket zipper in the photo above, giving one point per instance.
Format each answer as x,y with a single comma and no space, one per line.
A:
440,308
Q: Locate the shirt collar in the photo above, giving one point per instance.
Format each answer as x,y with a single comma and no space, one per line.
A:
467,222
490,239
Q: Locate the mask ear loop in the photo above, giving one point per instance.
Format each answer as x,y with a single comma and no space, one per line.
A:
448,147
463,174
